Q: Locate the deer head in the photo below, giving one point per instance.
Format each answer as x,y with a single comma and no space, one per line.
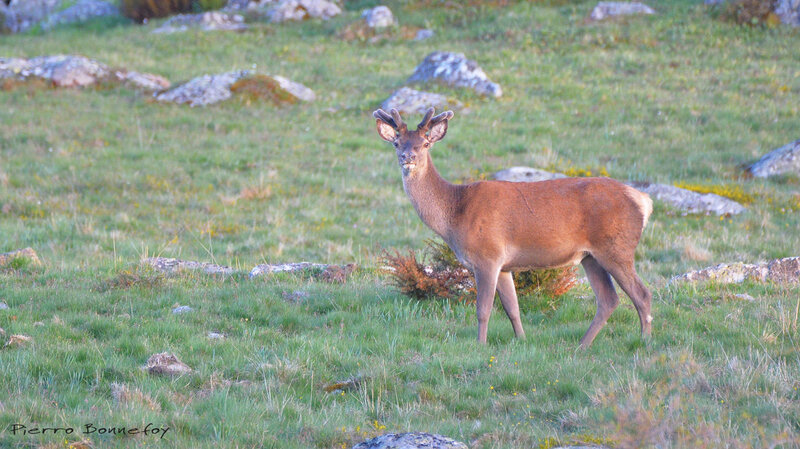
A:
412,146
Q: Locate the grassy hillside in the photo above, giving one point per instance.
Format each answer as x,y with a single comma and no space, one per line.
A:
95,179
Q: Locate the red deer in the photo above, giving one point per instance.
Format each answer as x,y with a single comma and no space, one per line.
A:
497,227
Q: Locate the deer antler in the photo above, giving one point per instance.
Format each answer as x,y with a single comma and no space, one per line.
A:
401,126
426,120
383,116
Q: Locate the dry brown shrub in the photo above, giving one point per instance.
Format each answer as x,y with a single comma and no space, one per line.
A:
751,12
413,279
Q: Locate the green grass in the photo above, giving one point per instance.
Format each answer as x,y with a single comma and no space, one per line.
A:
96,179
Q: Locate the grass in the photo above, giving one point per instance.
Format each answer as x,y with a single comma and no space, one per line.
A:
679,97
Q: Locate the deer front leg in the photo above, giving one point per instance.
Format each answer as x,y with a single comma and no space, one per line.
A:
508,296
486,280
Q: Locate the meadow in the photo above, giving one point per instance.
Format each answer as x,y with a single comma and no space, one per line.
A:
96,179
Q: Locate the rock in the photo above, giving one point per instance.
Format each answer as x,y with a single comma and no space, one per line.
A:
352,383
81,11
604,10
18,340
169,265
27,253
21,15
167,364
285,268
688,201
744,297
215,336
242,5
181,310
303,9
525,174
410,101
784,160
780,271
789,12
423,34
415,440
210,89
378,17
336,274
74,71
3,306
455,69
295,297
207,21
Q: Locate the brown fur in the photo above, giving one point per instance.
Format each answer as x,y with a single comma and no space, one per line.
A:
496,227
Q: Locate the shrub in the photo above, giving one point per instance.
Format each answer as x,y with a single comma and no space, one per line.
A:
751,12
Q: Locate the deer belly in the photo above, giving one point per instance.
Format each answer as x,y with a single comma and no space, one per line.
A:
522,259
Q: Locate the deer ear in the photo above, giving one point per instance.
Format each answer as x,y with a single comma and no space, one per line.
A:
437,131
385,130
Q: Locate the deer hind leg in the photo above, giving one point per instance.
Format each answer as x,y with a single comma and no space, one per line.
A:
606,295
508,296
486,280
625,275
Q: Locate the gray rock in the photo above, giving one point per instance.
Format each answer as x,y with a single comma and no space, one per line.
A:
284,268
144,81
207,21
456,70
209,89
3,306
181,310
21,15
604,10
415,440
784,160
744,297
525,174
169,265
246,5
167,364
410,101
298,90
789,12
780,271
295,297
688,201
378,17
423,34
216,336
286,10
81,11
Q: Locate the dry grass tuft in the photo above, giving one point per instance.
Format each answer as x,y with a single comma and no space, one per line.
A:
125,397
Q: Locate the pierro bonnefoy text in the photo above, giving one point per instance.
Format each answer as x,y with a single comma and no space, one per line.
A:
149,429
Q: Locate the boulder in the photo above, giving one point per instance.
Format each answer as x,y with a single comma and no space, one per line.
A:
414,440
410,101
789,12
688,201
207,21
167,364
81,11
169,265
210,89
525,174
21,15
27,253
455,69
784,160
378,17
285,268
780,271
604,10
286,10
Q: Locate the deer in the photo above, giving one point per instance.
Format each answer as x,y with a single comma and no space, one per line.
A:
496,227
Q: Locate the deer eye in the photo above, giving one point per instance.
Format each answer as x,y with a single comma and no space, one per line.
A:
426,144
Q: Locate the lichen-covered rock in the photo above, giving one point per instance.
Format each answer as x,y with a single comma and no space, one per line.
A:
526,174
781,271
456,70
410,101
167,364
604,10
784,160
286,10
378,17
21,15
285,268
209,89
415,440
169,265
207,21
81,11
75,71
688,201
26,253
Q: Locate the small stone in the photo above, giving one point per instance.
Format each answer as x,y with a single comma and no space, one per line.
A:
38,324
526,174
207,21
604,10
423,34
3,306
169,265
18,341
455,69
298,10
784,160
181,309
166,363
295,297
410,101
285,268
378,17
744,297
215,336
414,440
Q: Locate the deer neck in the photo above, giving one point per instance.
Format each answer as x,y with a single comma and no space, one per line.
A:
432,197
